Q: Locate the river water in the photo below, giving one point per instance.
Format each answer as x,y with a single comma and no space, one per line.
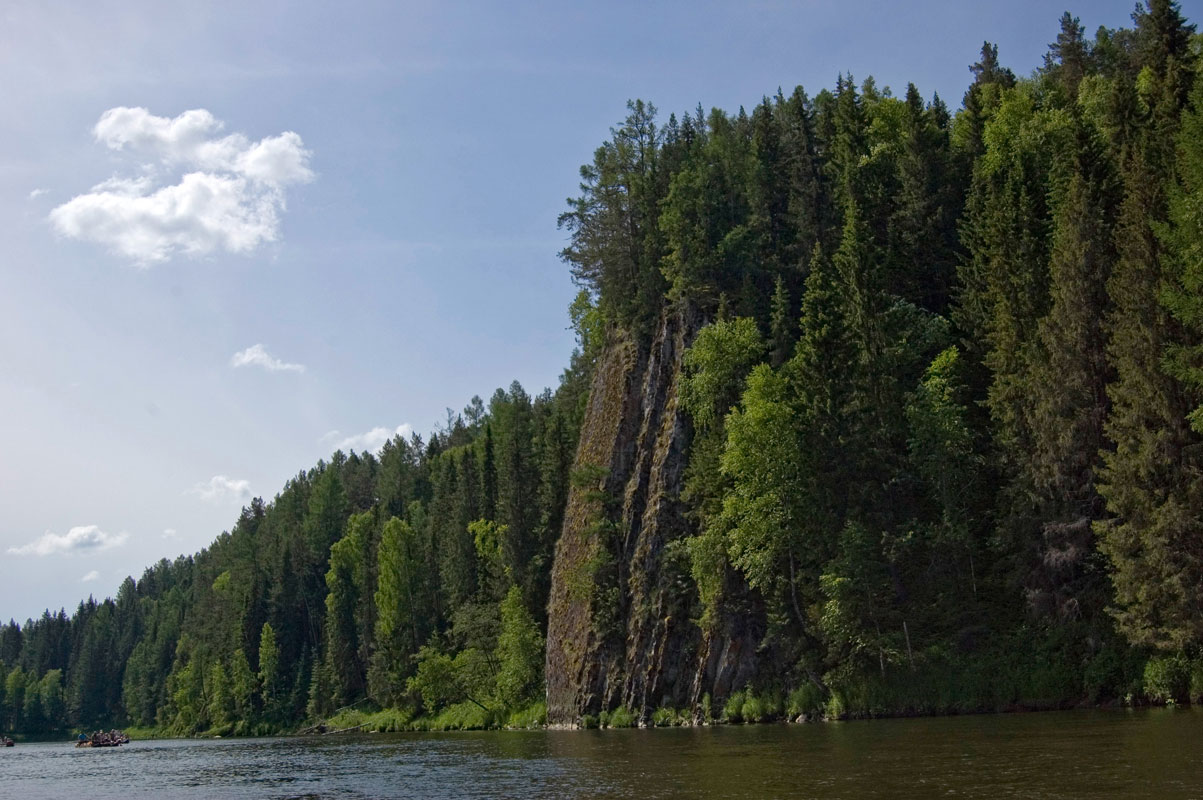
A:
1114,754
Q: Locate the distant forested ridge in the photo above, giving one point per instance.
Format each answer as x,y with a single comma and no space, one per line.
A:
877,408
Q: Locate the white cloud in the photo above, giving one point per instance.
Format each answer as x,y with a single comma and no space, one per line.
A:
36,193
91,576
371,441
229,196
170,533
80,539
220,488
257,356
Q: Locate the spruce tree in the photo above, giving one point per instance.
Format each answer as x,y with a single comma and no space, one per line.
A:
1069,400
1147,478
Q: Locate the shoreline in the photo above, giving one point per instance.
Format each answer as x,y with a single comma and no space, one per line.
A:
429,725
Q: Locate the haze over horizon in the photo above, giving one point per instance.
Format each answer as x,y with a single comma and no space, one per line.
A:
242,237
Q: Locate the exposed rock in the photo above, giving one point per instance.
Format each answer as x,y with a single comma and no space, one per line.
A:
619,626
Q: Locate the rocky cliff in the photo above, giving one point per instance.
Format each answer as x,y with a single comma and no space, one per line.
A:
620,631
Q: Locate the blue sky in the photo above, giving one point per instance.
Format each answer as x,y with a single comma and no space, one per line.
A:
357,232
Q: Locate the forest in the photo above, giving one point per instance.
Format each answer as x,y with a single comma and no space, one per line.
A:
931,442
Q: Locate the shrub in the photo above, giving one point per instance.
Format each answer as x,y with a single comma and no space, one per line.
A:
733,709
1167,679
533,716
806,699
753,709
835,706
622,717
1196,680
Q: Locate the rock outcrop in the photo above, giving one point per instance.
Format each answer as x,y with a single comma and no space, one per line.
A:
619,626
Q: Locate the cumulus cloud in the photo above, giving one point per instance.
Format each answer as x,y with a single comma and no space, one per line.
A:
228,194
257,356
371,441
80,539
91,576
221,488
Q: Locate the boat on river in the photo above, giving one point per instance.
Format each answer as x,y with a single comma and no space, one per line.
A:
102,739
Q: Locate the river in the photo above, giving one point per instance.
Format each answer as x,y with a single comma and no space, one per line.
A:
1078,754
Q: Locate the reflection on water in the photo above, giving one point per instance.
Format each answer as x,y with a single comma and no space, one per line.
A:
1119,753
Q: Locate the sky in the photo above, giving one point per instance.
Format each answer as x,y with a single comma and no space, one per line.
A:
239,236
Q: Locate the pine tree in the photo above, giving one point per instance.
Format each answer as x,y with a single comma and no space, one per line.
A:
1183,240
920,230
781,326
943,454
1069,375
342,666
1069,59
269,672
517,483
1146,481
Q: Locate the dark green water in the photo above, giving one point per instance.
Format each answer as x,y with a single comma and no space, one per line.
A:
1148,753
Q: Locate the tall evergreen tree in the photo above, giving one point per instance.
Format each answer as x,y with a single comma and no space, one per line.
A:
1145,479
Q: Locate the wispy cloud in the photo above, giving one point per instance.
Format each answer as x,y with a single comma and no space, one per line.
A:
80,539
228,194
91,576
170,533
371,441
36,193
221,488
257,356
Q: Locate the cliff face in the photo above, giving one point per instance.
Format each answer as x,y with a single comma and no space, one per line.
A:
619,627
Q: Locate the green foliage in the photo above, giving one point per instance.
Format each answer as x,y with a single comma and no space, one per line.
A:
269,670
1150,481
220,709
1167,679
400,608
615,246
529,718
857,619
733,708
715,367
753,709
622,717
807,699
242,688
588,324
435,679
519,653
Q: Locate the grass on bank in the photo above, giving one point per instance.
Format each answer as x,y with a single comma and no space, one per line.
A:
1005,680
459,717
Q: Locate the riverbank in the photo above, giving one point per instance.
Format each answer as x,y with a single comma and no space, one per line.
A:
743,708
1005,681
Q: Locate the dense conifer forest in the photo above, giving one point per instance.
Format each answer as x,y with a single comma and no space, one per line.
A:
942,423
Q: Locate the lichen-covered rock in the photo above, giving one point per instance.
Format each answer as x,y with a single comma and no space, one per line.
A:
619,627
581,652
